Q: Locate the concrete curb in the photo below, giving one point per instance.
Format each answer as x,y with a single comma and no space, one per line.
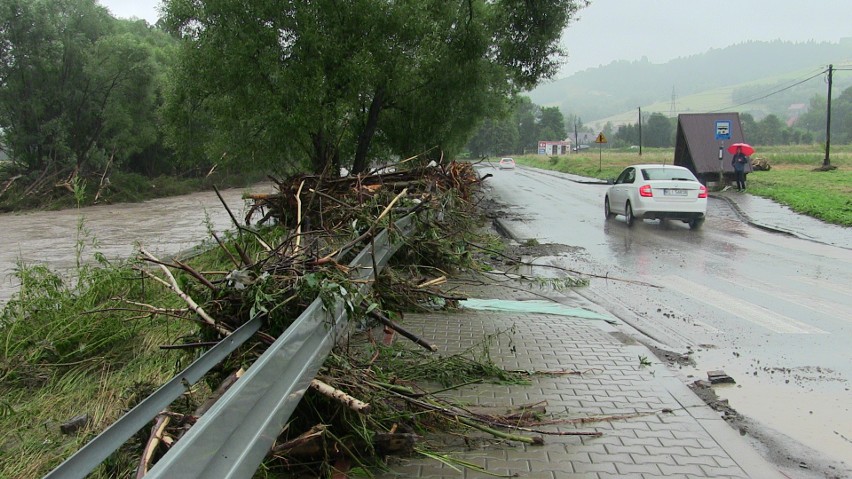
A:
720,431
747,219
737,448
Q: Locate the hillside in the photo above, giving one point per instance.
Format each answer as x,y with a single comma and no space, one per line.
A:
718,79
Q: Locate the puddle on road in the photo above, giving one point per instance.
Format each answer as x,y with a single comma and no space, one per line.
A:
819,419
808,403
533,306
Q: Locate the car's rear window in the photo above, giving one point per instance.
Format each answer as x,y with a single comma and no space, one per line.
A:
667,174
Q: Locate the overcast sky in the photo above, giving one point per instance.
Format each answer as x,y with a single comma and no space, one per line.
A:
660,30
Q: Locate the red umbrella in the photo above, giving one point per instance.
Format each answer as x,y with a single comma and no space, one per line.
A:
747,149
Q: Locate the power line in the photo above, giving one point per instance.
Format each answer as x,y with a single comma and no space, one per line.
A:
772,93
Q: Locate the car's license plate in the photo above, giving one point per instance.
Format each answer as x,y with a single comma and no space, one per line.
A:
674,192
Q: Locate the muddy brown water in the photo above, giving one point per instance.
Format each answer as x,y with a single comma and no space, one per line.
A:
163,226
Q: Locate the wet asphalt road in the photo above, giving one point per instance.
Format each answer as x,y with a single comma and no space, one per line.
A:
773,311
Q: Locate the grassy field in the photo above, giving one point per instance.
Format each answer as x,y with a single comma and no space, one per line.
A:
792,181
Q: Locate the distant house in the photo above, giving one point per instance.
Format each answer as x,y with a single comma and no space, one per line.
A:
554,148
585,138
794,111
697,148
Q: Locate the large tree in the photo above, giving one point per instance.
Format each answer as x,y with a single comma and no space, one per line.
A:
332,83
552,124
659,131
76,85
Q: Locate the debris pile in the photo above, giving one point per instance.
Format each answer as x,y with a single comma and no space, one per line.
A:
292,247
374,396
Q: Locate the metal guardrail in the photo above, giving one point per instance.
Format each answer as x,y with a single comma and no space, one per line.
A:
87,458
233,437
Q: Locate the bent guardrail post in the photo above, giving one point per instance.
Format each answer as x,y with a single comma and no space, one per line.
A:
233,437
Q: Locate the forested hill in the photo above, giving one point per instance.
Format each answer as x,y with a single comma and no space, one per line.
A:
623,85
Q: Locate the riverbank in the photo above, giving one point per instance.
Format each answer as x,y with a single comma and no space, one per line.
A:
18,194
792,180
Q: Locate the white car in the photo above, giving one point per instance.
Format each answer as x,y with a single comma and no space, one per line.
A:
657,192
507,164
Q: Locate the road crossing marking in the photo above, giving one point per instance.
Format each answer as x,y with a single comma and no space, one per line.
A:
771,320
824,306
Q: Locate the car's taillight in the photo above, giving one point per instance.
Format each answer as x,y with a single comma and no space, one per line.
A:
702,193
645,190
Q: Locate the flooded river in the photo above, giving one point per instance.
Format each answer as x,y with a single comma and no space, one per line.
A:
164,226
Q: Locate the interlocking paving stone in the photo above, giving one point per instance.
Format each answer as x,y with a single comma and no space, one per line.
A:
665,445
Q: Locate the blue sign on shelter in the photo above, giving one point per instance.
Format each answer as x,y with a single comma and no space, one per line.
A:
723,130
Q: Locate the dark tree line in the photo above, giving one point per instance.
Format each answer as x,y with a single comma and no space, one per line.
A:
521,128
264,84
79,89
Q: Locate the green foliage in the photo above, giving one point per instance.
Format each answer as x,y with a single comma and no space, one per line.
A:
79,87
326,84
520,131
472,365
659,131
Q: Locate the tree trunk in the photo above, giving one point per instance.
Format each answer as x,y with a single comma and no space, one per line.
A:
361,164
324,154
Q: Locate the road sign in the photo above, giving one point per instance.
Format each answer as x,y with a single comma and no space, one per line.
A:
601,138
723,130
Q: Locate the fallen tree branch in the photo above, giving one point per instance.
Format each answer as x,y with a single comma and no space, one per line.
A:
173,285
340,396
396,327
153,442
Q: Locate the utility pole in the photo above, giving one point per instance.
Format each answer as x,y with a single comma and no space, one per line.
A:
575,136
826,162
640,131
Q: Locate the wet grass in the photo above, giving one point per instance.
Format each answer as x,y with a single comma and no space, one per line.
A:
61,359
77,346
792,181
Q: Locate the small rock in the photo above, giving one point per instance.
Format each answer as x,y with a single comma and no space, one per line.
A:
719,376
75,424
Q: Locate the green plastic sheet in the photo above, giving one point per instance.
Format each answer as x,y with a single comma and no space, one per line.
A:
532,306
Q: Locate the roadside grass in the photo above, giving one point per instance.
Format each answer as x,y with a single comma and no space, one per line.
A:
792,181
76,346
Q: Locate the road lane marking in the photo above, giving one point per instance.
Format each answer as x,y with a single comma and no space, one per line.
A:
740,308
830,308
841,288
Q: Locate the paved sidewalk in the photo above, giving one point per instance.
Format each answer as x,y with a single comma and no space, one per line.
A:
680,437
769,215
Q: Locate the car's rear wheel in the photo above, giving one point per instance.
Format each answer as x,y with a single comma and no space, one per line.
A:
607,210
628,214
696,223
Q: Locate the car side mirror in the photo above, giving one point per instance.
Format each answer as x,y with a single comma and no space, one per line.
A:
610,181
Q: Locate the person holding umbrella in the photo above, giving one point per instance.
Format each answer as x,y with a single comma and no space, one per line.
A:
740,162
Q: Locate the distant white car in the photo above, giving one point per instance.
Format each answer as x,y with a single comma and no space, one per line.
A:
657,192
507,164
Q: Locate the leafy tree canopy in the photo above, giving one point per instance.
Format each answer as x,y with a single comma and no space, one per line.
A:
76,85
328,83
